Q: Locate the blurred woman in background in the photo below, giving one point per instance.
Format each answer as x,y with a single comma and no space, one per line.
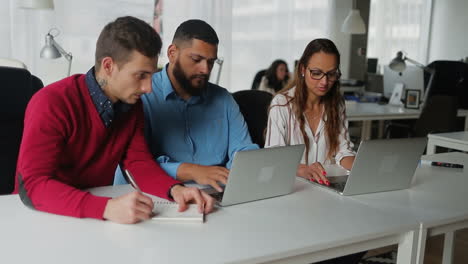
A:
276,77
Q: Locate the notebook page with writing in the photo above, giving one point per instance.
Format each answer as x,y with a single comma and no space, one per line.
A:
169,211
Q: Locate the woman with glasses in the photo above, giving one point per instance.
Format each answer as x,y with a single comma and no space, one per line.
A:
311,111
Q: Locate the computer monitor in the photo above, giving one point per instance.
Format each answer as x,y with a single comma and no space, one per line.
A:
372,65
412,78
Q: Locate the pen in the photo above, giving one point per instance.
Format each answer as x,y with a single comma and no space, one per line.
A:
447,165
135,185
132,181
442,164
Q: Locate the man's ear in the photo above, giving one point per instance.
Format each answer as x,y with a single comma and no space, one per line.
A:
172,53
107,66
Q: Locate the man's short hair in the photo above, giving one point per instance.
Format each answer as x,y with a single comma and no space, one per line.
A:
195,29
119,38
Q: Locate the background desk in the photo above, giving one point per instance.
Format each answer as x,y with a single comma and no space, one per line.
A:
367,112
453,140
306,226
437,199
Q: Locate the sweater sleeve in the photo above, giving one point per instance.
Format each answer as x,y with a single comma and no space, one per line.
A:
150,177
45,132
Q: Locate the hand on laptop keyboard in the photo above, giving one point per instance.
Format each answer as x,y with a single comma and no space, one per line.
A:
207,175
314,172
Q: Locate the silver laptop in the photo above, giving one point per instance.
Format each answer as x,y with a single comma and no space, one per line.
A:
380,165
260,174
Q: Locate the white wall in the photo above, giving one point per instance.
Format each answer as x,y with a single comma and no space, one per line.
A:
5,26
448,35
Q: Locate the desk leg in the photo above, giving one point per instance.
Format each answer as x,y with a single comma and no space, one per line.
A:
421,250
381,128
447,255
431,147
407,248
366,129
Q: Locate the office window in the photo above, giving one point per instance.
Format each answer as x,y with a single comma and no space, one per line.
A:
399,25
79,22
265,30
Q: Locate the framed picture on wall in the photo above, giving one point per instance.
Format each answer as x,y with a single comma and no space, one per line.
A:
412,99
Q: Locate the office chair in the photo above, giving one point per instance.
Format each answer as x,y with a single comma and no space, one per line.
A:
450,78
8,62
438,115
17,87
257,79
254,106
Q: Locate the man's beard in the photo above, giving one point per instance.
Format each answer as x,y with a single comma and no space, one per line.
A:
185,82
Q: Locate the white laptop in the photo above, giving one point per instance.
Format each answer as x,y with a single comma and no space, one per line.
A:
260,174
380,165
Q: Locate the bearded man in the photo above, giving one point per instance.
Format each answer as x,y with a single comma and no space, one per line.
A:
193,127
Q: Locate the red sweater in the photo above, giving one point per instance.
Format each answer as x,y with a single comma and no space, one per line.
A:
66,148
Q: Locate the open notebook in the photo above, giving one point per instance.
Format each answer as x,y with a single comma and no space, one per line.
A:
169,211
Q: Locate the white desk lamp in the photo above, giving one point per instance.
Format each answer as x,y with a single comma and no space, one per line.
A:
398,64
52,50
220,62
353,23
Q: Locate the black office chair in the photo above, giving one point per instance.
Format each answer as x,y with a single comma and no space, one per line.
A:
17,87
257,79
450,78
254,106
438,115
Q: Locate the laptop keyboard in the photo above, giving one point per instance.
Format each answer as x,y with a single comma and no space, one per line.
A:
217,195
339,186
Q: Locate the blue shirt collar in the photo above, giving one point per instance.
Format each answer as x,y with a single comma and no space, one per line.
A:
104,106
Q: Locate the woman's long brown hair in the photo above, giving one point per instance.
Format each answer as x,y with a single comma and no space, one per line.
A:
334,108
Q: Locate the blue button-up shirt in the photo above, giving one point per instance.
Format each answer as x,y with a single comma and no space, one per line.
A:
207,129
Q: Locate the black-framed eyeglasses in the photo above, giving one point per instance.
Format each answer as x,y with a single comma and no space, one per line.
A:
317,74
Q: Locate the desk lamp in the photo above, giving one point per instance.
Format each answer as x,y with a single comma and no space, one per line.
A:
353,23
398,64
52,50
220,62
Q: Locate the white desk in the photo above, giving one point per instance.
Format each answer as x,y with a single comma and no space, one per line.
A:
353,89
453,140
437,199
306,226
367,112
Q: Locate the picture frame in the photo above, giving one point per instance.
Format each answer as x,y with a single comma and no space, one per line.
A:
413,98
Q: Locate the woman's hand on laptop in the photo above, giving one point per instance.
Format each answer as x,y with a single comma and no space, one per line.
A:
184,195
313,172
208,175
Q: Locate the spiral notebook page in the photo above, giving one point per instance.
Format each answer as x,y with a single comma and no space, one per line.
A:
169,211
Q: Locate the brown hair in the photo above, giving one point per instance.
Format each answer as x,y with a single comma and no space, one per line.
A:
334,108
272,79
119,38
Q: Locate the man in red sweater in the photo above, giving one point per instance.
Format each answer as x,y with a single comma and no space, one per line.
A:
78,129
